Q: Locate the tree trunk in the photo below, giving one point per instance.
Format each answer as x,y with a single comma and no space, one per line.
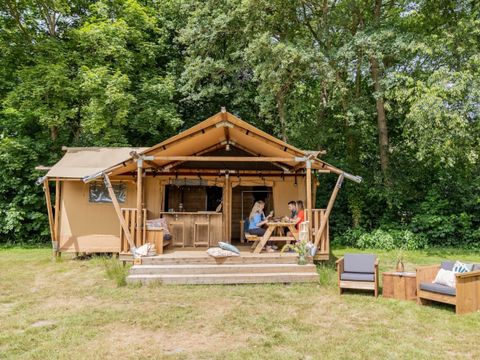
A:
380,106
53,133
381,118
281,115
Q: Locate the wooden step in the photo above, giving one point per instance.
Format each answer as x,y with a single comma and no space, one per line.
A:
205,259
225,278
192,269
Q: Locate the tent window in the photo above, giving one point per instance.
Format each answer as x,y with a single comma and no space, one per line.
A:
98,193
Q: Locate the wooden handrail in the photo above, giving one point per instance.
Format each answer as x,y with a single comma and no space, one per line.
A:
130,216
318,216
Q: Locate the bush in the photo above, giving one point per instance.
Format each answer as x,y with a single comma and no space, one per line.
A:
448,230
386,239
116,271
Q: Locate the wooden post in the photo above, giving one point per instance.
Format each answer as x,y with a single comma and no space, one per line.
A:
309,197
48,200
57,210
139,202
323,225
124,225
227,207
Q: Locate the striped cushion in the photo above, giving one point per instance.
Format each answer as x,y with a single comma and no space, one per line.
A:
461,268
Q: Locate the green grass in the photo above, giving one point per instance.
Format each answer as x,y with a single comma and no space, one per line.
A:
73,309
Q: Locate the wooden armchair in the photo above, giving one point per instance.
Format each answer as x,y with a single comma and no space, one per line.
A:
465,296
358,271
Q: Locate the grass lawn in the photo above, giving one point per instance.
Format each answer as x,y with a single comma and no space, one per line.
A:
70,309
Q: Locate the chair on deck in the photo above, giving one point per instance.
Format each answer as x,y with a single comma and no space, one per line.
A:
358,271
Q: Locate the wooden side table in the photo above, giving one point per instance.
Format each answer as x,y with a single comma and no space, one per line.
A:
399,285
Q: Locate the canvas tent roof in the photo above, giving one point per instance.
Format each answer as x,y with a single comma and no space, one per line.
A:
219,129
204,138
80,162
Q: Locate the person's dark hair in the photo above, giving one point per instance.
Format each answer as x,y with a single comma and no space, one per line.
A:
300,205
291,202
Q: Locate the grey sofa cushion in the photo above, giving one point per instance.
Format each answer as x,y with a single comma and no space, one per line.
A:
437,288
447,265
359,263
357,276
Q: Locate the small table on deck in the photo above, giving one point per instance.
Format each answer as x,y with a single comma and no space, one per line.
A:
271,226
399,285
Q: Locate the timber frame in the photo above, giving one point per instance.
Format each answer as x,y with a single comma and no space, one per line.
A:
196,153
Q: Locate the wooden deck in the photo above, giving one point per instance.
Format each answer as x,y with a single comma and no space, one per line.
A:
190,254
188,266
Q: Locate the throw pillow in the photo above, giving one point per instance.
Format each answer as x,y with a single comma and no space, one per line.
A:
228,247
461,268
158,223
216,252
445,277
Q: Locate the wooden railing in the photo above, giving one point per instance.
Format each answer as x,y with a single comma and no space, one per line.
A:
318,215
130,216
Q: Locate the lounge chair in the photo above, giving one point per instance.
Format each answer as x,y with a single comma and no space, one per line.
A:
358,271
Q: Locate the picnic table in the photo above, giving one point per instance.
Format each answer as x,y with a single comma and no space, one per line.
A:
268,236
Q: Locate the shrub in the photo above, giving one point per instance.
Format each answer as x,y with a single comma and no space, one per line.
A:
386,239
116,271
377,239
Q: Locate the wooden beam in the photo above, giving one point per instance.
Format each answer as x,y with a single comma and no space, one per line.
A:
57,210
48,200
123,224
323,225
227,158
139,201
204,151
226,207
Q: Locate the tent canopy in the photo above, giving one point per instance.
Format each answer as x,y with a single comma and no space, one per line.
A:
81,162
220,136
212,136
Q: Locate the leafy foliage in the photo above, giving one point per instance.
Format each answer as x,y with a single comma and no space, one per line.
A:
389,89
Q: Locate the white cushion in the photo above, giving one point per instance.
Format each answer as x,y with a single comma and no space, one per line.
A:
445,277
216,252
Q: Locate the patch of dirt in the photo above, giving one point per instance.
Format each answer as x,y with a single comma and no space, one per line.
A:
43,323
121,339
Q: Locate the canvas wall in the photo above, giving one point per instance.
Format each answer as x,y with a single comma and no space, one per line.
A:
90,227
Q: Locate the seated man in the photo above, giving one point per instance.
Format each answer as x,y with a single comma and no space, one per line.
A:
292,207
299,217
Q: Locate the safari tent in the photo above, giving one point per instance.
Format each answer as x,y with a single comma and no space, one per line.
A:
210,175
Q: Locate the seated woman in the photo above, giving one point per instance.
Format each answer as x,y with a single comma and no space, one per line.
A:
257,219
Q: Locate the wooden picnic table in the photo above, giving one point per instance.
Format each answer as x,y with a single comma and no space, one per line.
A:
271,227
